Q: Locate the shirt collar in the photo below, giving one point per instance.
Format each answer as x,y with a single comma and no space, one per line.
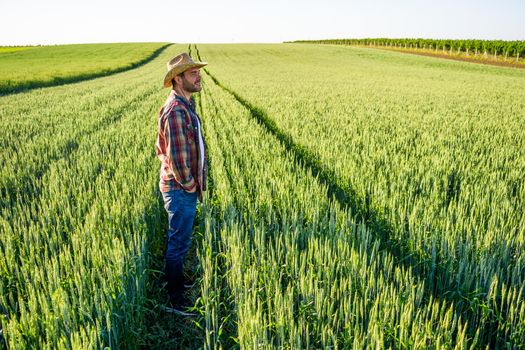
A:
189,105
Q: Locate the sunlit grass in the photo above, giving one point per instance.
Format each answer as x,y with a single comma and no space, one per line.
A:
23,68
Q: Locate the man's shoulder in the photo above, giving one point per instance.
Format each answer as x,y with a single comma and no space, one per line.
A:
173,107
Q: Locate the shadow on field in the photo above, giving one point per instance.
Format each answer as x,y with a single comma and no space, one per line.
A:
25,187
435,274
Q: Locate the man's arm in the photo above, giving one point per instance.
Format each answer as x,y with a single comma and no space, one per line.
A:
179,149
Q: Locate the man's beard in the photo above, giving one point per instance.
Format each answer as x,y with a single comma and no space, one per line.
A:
187,86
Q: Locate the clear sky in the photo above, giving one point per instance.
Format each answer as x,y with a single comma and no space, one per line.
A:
24,22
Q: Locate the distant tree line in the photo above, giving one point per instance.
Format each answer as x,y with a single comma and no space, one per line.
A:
514,48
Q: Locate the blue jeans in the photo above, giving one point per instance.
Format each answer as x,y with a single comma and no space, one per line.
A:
181,207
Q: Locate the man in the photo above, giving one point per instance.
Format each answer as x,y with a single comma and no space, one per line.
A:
181,149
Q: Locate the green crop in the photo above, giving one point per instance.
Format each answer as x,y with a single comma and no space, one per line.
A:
357,199
79,210
29,67
429,154
292,269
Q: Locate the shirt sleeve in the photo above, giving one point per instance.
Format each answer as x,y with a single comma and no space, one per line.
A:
178,149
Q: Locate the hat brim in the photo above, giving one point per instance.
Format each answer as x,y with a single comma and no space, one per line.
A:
179,69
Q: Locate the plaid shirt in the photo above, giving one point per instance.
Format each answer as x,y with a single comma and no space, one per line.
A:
178,147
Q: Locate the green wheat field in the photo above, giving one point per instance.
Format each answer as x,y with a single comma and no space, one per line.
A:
358,199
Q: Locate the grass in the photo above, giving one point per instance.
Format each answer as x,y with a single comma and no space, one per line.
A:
80,210
358,199
8,49
32,67
414,146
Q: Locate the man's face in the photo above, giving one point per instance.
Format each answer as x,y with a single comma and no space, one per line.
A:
191,80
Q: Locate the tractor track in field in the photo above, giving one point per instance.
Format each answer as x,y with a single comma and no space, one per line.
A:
381,228
31,183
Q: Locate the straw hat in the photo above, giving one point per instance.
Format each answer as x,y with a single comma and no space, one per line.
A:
179,64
